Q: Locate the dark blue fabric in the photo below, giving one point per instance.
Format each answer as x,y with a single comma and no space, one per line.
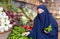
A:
42,21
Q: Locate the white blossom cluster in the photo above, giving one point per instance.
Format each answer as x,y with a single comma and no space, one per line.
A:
4,21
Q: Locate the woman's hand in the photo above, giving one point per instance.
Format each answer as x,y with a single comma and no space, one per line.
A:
25,33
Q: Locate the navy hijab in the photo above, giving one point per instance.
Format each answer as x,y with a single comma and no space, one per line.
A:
42,21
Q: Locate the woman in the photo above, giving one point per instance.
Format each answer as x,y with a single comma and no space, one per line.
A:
42,21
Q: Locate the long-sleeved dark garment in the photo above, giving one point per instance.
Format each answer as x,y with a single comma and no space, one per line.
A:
42,21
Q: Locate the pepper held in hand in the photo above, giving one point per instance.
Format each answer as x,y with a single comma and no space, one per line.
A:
48,29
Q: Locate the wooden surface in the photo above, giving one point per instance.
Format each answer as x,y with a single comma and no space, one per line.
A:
4,36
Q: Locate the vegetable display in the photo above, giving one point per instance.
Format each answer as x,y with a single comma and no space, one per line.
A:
16,33
13,17
29,12
4,21
24,20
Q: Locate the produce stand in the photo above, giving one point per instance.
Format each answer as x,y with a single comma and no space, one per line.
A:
23,15
15,13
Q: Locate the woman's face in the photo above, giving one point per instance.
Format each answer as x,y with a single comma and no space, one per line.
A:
40,10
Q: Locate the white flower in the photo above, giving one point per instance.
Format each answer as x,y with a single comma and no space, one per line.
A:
1,16
3,13
6,17
4,22
0,13
10,25
2,28
6,28
0,22
7,21
0,19
1,9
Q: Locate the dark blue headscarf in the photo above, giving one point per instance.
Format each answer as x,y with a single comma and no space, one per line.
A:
42,21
